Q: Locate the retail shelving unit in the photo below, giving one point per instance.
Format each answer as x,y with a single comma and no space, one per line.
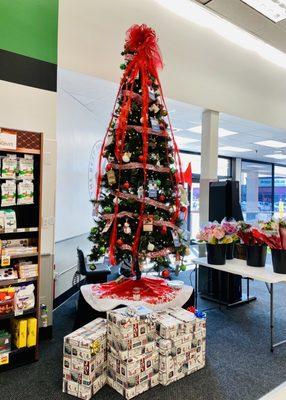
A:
28,218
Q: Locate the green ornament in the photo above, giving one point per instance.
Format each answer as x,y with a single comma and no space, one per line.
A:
183,267
92,267
102,250
158,182
122,66
107,209
173,169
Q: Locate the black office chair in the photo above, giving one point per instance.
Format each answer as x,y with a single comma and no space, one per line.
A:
98,275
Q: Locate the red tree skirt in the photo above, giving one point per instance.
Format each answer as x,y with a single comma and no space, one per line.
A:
152,290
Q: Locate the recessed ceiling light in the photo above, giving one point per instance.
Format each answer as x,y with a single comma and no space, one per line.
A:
277,156
272,9
272,143
234,149
221,132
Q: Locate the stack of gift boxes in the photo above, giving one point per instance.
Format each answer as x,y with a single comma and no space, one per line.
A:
133,359
84,363
134,351
181,344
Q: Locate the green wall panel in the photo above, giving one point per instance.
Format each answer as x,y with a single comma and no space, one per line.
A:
30,28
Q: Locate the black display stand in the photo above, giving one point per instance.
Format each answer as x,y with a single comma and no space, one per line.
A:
222,287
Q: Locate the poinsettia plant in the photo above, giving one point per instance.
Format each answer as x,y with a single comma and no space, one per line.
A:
272,233
245,233
214,233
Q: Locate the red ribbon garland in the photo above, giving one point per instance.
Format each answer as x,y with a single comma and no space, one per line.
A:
146,59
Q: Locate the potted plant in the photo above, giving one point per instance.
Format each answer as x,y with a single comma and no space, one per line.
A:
273,234
230,228
216,240
255,249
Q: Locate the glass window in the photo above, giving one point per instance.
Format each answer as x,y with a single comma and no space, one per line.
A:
279,191
256,190
224,164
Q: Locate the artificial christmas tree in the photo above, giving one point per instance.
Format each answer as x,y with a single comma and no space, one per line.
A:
140,195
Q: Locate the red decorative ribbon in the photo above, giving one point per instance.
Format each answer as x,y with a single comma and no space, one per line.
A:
136,165
143,200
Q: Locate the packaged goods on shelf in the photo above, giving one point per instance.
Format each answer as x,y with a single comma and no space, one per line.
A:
25,193
7,300
27,270
9,166
10,222
5,341
8,273
17,247
26,167
8,194
32,327
132,356
84,360
182,353
24,298
19,332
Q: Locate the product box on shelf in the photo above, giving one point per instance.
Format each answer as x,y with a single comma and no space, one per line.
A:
5,341
182,353
7,300
132,355
19,332
84,360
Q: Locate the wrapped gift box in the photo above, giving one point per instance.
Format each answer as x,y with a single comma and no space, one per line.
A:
181,345
84,360
132,353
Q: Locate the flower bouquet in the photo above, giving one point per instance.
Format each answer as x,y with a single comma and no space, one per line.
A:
273,234
215,237
255,249
230,228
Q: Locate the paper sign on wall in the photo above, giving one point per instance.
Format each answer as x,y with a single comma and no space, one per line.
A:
8,141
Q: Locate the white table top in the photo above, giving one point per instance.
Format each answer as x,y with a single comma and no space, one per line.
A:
239,267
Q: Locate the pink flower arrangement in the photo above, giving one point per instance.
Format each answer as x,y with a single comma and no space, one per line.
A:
215,233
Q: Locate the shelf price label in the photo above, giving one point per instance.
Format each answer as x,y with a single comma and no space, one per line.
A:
8,141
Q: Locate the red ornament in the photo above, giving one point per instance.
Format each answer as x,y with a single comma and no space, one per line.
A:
164,229
141,158
119,242
162,197
183,209
108,167
126,185
165,273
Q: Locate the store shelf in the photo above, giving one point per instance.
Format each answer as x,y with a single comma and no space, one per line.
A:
12,315
24,255
16,281
19,357
20,230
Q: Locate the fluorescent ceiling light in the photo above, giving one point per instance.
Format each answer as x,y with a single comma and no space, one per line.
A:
185,140
221,132
277,156
272,143
198,14
272,9
234,149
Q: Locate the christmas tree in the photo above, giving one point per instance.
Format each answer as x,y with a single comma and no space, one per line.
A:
140,197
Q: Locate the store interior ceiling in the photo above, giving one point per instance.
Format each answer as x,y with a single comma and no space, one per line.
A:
237,137
249,19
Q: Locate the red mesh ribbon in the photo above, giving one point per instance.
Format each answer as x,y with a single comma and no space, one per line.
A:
145,60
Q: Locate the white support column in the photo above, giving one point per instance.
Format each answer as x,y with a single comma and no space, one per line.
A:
252,184
237,173
209,159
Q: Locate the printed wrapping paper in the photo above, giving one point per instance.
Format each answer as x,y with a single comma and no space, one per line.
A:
84,361
132,355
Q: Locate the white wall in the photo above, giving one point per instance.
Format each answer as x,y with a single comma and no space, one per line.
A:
78,130
27,108
201,67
